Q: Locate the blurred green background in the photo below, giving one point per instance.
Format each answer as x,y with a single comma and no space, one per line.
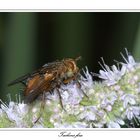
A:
29,40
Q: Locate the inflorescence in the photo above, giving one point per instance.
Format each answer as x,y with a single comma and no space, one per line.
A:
113,102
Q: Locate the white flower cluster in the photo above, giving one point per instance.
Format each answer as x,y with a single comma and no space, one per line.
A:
110,103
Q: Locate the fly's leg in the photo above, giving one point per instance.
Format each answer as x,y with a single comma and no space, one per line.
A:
60,99
41,108
78,84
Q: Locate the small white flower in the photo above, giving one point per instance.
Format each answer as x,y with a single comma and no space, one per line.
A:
89,113
1,112
48,102
91,91
108,99
55,118
34,109
72,125
87,81
99,124
73,95
22,108
112,124
128,99
80,125
13,113
132,112
130,62
37,126
111,77
52,96
88,77
120,121
109,108
116,123
117,87
136,78
56,110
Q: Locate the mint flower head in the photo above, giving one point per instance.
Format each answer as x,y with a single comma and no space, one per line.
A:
114,102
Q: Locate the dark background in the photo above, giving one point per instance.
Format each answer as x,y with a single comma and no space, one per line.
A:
29,40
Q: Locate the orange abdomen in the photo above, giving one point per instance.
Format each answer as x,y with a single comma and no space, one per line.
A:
39,84
32,84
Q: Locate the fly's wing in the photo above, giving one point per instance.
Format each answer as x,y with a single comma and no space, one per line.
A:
23,78
46,68
20,79
38,87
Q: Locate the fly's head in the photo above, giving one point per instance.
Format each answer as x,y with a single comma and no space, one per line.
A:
71,66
